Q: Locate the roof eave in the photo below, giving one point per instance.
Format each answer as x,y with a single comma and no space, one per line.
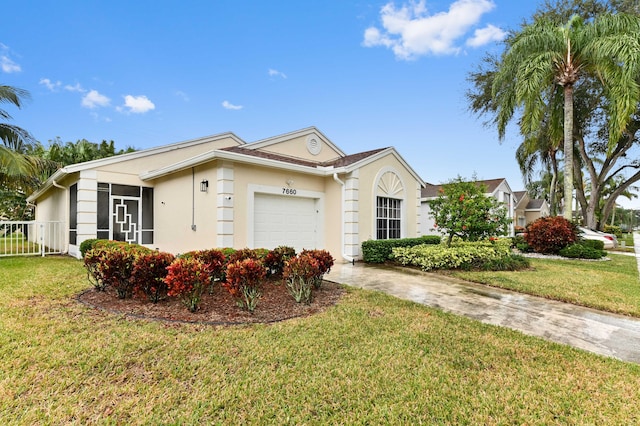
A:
377,156
59,174
233,156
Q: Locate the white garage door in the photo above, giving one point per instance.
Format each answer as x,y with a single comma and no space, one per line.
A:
288,221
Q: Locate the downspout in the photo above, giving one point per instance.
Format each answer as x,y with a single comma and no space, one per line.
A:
57,185
350,259
193,199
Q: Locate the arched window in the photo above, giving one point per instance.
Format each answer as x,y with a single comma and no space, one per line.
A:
389,193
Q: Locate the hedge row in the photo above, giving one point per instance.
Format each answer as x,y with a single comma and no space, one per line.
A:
379,251
135,271
495,254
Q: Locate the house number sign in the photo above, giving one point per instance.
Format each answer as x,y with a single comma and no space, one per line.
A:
288,191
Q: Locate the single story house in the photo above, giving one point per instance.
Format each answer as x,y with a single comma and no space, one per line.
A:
497,188
528,209
297,189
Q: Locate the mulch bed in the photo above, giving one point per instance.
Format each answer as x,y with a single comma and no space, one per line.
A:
219,308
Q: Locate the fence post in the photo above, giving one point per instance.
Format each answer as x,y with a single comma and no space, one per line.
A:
42,239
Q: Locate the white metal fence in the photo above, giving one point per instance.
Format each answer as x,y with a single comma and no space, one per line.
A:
30,238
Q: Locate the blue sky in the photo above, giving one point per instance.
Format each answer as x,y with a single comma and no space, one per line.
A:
368,74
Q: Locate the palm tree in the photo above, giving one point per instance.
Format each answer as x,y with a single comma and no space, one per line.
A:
13,162
545,61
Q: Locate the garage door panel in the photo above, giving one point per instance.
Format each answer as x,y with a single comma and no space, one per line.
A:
290,221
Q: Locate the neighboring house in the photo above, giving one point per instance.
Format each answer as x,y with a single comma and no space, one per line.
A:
296,189
528,210
497,188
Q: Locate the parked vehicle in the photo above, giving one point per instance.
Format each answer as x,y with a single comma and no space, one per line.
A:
610,241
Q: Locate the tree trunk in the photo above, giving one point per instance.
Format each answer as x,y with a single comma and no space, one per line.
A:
568,151
553,187
581,199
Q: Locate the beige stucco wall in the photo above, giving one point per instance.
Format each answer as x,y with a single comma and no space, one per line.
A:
297,147
54,206
162,159
369,177
174,199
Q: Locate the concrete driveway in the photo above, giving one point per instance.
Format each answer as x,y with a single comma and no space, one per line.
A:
595,331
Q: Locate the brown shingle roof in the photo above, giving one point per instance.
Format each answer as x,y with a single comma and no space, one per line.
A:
519,194
353,158
340,162
535,204
269,156
430,190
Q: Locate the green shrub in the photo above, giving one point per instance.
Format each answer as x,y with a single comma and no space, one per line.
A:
521,244
87,245
581,251
227,251
467,255
550,234
594,244
379,251
512,262
610,229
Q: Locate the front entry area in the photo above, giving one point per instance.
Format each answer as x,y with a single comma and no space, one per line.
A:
285,220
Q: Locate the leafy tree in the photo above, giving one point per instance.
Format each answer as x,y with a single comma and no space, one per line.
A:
14,166
462,209
542,69
17,169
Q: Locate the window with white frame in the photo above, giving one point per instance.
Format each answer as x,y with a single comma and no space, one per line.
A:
388,218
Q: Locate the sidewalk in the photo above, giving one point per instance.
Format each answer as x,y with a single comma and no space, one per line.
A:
636,248
595,331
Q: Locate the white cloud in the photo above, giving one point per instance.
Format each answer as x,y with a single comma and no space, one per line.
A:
486,35
137,104
410,31
74,88
53,86
8,66
229,105
276,73
182,95
94,99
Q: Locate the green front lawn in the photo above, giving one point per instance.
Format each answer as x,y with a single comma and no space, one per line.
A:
607,285
372,359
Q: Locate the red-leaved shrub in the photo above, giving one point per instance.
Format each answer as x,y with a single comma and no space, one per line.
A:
276,259
110,262
92,261
325,262
300,275
215,261
247,253
115,268
187,278
149,271
550,234
244,278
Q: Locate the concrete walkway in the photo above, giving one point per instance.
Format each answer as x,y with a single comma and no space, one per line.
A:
636,247
595,331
